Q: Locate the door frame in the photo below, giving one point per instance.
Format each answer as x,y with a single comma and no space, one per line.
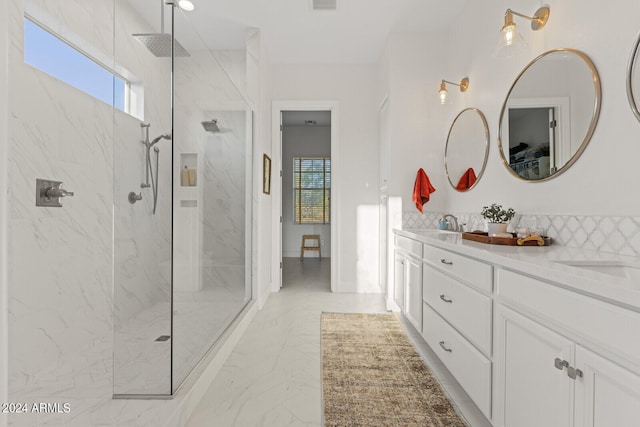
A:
277,107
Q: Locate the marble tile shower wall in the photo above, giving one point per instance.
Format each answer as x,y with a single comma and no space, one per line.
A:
224,202
59,299
612,234
61,281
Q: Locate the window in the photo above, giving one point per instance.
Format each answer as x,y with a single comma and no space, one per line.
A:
311,190
54,56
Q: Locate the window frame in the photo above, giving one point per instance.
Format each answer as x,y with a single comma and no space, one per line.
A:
126,83
324,190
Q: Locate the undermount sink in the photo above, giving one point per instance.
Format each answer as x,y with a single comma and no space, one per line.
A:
613,268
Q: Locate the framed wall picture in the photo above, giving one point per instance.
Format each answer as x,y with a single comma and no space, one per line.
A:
266,174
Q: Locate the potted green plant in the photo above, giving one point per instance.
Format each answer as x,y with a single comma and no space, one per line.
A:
497,218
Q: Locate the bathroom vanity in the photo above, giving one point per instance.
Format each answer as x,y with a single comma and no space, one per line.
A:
536,336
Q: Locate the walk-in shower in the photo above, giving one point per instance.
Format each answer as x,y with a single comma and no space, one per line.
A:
108,299
182,252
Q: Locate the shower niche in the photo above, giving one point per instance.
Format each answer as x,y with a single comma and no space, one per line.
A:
188,169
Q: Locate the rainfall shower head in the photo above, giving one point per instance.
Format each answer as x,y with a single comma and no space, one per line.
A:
160,44
211,126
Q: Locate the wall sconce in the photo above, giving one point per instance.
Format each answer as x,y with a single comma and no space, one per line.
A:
537,22
464,85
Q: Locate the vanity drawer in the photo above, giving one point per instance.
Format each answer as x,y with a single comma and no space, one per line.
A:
412,246
475,273
469,367
587,320
465,309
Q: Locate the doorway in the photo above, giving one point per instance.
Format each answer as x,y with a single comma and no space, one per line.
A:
306,194
305,197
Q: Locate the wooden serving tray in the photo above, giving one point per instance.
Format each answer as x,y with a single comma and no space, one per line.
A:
483,237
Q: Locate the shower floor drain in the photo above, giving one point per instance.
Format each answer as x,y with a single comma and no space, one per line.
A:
163,338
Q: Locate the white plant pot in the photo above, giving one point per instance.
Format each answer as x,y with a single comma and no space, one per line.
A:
497,228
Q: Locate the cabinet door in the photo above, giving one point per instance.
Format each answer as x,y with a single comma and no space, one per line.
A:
530,390
398,282
413,289
606,394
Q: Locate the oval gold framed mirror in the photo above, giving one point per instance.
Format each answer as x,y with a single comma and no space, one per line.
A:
467,149
549,115
633,79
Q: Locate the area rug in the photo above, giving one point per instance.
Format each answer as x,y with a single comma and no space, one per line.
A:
372,376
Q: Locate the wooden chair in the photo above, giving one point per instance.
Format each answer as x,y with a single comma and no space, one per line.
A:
306,247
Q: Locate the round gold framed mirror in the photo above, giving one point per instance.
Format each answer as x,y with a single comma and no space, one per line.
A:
467,149
633,79
549,115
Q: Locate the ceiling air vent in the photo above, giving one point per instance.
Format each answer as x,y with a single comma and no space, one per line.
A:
324,4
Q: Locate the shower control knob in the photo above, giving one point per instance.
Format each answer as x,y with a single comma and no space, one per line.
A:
53,193
133,197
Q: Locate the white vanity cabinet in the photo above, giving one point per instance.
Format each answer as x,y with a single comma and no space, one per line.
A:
606,394
457,319
532,344
545,372
408,279
530,390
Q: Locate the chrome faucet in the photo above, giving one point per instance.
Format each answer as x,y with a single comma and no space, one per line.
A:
455,225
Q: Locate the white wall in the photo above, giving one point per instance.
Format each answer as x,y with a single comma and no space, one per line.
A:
410,64
259,91
595,183
355,164
301,141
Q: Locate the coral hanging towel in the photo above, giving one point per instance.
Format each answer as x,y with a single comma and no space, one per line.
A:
422,189
467,180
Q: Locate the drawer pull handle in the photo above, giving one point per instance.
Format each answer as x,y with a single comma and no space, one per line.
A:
574,372
560,364
442,297
444,261
445,348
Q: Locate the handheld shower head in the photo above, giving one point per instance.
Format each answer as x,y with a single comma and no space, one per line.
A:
157,139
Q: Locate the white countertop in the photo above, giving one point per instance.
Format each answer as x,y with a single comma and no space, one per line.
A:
540,262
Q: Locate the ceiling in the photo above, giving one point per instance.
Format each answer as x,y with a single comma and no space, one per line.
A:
292,32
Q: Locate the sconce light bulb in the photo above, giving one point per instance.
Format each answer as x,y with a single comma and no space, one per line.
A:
509,29
508,34
443,93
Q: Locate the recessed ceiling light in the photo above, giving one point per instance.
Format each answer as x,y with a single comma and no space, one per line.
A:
186,5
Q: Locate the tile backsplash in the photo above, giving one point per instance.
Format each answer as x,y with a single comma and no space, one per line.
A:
613,234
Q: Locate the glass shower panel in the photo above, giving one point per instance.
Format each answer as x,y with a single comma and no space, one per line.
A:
212,195
142,192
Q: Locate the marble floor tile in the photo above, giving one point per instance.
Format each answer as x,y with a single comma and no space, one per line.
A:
272,377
